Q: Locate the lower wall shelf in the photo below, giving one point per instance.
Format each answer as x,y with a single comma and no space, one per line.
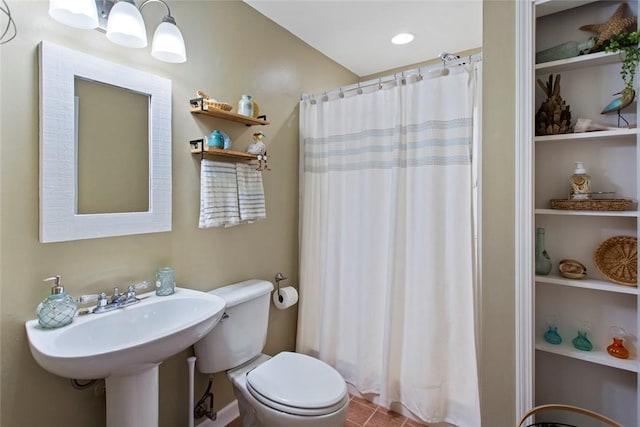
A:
197,148
596,356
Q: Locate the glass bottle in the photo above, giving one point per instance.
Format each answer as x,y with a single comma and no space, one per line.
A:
245,106
552,336
617,348
581,342
543,262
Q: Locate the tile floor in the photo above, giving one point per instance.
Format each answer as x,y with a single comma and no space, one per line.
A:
363,413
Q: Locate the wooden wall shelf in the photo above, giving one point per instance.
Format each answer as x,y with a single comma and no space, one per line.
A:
197,107
196,148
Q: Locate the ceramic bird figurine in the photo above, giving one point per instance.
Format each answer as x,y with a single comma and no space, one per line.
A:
628,95
257,147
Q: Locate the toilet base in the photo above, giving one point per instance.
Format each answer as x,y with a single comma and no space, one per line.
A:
261,416
255,414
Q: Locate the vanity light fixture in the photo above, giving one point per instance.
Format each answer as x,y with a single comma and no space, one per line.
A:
122,21
402,38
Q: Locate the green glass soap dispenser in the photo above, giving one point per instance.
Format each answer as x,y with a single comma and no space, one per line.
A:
58,309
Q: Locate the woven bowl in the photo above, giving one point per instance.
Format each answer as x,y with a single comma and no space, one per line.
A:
617,259
217,105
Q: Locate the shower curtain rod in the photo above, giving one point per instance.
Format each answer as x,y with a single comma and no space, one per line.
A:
446,62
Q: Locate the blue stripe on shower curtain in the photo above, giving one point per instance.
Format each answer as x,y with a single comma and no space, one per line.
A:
434,142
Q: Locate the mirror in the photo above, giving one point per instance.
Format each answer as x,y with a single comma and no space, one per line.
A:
125,185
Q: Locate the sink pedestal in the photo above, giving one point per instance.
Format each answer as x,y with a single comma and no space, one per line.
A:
132,400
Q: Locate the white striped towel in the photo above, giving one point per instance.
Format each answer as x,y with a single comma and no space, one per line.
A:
218,194
250,193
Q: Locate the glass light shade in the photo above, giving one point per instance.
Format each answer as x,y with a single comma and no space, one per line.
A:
168,44
125,25
75,13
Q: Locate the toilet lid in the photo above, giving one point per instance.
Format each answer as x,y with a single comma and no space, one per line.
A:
298,381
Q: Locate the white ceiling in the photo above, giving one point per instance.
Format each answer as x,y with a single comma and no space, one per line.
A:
357,33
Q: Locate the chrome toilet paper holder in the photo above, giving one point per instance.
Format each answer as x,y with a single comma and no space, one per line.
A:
279,278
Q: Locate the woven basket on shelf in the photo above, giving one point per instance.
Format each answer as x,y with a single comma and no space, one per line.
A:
592,205
210,103
568,408
217,105
617,259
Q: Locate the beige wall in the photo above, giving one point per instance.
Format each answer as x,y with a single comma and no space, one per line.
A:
497,363
231,50
224,60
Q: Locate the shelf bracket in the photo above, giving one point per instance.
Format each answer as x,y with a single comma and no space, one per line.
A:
197,103
197,146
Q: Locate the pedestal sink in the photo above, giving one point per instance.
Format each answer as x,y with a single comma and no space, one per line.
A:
125,347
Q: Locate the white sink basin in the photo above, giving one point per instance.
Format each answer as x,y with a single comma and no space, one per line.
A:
128,340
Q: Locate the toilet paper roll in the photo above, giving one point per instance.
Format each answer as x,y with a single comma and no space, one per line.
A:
288,297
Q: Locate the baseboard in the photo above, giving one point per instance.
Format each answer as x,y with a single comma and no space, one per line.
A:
225,416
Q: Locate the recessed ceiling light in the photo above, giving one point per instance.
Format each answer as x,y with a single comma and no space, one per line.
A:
402,38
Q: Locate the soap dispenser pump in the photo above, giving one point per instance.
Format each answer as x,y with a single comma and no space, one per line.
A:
58,309
580,183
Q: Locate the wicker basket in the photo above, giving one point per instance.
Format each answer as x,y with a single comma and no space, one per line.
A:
617,259
592,205
569,408
209,103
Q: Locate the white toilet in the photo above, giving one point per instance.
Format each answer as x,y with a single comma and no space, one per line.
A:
286,390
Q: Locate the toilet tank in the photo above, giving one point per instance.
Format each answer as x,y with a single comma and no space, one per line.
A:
242,332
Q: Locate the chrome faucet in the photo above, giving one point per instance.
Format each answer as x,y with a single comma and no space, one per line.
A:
117,300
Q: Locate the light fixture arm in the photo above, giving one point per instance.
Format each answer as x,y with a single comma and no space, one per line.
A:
167,18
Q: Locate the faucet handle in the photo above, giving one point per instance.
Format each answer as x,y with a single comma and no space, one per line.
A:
135,286
131,290
141,285
101,299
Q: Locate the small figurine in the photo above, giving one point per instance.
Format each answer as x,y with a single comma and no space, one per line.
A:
620,103
257,147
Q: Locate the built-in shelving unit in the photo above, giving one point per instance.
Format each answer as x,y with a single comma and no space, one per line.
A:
562,373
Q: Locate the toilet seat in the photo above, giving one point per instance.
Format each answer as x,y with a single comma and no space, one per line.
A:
297,384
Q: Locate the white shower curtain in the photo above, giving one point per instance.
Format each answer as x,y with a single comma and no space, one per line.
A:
387,244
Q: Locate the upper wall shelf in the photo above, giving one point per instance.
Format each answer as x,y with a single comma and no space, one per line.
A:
547,7
576,62
196,106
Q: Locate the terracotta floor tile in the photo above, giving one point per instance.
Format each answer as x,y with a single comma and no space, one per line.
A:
384,418
235,423
412,423
359,413
364,402
363,413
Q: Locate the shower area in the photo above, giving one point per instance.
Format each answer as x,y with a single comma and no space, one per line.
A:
388,237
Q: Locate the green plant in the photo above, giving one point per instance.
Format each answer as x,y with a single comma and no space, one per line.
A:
627,44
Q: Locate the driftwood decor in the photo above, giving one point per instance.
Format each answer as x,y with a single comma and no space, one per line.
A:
553,116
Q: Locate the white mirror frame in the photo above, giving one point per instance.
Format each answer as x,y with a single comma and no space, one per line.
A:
59,218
